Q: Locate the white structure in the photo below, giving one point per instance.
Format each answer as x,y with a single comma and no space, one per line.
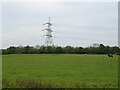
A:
48,35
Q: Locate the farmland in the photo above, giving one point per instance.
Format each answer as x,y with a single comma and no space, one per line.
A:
62,69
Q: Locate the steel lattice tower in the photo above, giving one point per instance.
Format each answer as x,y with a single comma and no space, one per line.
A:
48,35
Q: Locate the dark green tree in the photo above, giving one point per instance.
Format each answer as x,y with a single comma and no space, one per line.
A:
11,50
58,50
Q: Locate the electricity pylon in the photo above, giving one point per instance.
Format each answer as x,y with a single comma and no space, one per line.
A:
48,35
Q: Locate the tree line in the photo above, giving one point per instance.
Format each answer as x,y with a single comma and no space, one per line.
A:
102,49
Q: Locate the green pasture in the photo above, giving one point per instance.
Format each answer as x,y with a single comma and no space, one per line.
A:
61,68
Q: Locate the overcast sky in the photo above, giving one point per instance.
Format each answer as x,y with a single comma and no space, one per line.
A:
74,23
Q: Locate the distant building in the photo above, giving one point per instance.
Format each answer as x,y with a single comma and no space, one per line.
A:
95,45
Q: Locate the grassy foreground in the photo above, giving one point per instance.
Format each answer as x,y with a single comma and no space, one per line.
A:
62,70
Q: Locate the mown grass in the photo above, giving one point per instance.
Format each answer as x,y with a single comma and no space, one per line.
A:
62,70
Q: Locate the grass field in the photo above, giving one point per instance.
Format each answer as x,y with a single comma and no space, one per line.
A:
62,70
